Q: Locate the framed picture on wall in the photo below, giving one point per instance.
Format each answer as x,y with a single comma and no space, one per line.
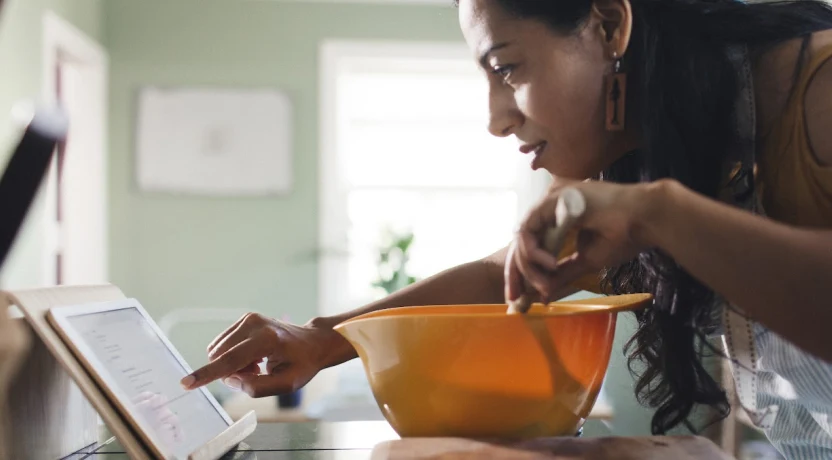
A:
214,141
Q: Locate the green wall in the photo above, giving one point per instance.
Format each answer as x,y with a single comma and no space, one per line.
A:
254,254
21,56
248,254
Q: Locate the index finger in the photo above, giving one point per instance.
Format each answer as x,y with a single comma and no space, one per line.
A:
237,357
512,278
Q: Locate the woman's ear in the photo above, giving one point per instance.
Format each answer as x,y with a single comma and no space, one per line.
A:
615,23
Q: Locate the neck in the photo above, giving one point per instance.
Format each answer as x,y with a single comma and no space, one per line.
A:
622,143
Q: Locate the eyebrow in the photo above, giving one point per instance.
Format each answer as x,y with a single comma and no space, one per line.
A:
484,57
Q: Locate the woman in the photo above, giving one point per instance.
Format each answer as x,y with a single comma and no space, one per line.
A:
706,123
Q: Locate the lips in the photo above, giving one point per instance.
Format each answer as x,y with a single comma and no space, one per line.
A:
536,148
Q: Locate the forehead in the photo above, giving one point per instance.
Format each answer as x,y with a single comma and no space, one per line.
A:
484,22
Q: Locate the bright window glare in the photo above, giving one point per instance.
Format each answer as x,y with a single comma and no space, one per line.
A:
425,153
421,130
426,96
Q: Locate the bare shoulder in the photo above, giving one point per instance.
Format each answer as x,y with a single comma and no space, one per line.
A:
818,107
774,79
774,73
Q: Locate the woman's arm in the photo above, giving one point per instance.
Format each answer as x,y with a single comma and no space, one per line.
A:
778,274
480,281
295,354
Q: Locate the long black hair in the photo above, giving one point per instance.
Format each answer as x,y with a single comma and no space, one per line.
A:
684,87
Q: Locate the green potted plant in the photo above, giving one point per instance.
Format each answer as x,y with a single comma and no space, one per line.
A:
392,262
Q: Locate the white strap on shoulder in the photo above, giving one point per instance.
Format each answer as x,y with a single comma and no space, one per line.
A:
742,350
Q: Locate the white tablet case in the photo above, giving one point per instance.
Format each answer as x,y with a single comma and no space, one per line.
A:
35,303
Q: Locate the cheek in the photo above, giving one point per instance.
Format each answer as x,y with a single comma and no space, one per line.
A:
564,104
568,109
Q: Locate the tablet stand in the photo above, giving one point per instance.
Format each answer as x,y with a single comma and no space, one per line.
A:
229,438
34,304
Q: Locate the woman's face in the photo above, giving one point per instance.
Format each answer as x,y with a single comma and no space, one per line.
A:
547,89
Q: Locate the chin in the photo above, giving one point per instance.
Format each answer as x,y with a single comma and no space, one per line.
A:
572,171
568,173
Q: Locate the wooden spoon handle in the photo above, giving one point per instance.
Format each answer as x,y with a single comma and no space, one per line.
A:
570,207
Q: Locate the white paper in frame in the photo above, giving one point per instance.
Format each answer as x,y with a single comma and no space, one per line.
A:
214,142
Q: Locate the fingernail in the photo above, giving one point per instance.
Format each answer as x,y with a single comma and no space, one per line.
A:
188,381
233,382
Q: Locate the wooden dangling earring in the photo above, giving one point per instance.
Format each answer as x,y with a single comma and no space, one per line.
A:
616,96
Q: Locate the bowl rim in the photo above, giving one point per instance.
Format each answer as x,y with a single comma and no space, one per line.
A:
591,306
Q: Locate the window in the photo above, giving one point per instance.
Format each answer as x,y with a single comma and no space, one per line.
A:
405,148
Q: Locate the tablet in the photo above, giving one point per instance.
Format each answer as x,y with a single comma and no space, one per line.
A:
127,355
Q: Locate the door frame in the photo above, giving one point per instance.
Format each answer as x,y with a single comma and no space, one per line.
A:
63,41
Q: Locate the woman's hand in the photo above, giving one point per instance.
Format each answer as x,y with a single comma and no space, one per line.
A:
293,354
608,233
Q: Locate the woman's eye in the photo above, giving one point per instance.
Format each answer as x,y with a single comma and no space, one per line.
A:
503,71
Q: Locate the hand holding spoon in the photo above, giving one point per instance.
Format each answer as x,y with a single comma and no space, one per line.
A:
570,207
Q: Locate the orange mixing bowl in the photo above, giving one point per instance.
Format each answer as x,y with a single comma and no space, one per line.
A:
476,371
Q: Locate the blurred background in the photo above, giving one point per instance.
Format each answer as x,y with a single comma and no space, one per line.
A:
293,158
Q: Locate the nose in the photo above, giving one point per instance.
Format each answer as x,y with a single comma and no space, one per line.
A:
504,117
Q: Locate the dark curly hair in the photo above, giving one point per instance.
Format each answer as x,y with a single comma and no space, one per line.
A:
683,85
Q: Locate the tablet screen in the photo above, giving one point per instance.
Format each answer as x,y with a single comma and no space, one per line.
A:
147,374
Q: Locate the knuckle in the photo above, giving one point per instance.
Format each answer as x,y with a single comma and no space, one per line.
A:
252,319
266,338
216,352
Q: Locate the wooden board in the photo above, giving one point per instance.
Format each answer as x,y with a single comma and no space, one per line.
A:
46,404
14,343
619,448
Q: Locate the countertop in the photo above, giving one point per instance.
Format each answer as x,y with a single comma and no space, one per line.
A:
378,441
